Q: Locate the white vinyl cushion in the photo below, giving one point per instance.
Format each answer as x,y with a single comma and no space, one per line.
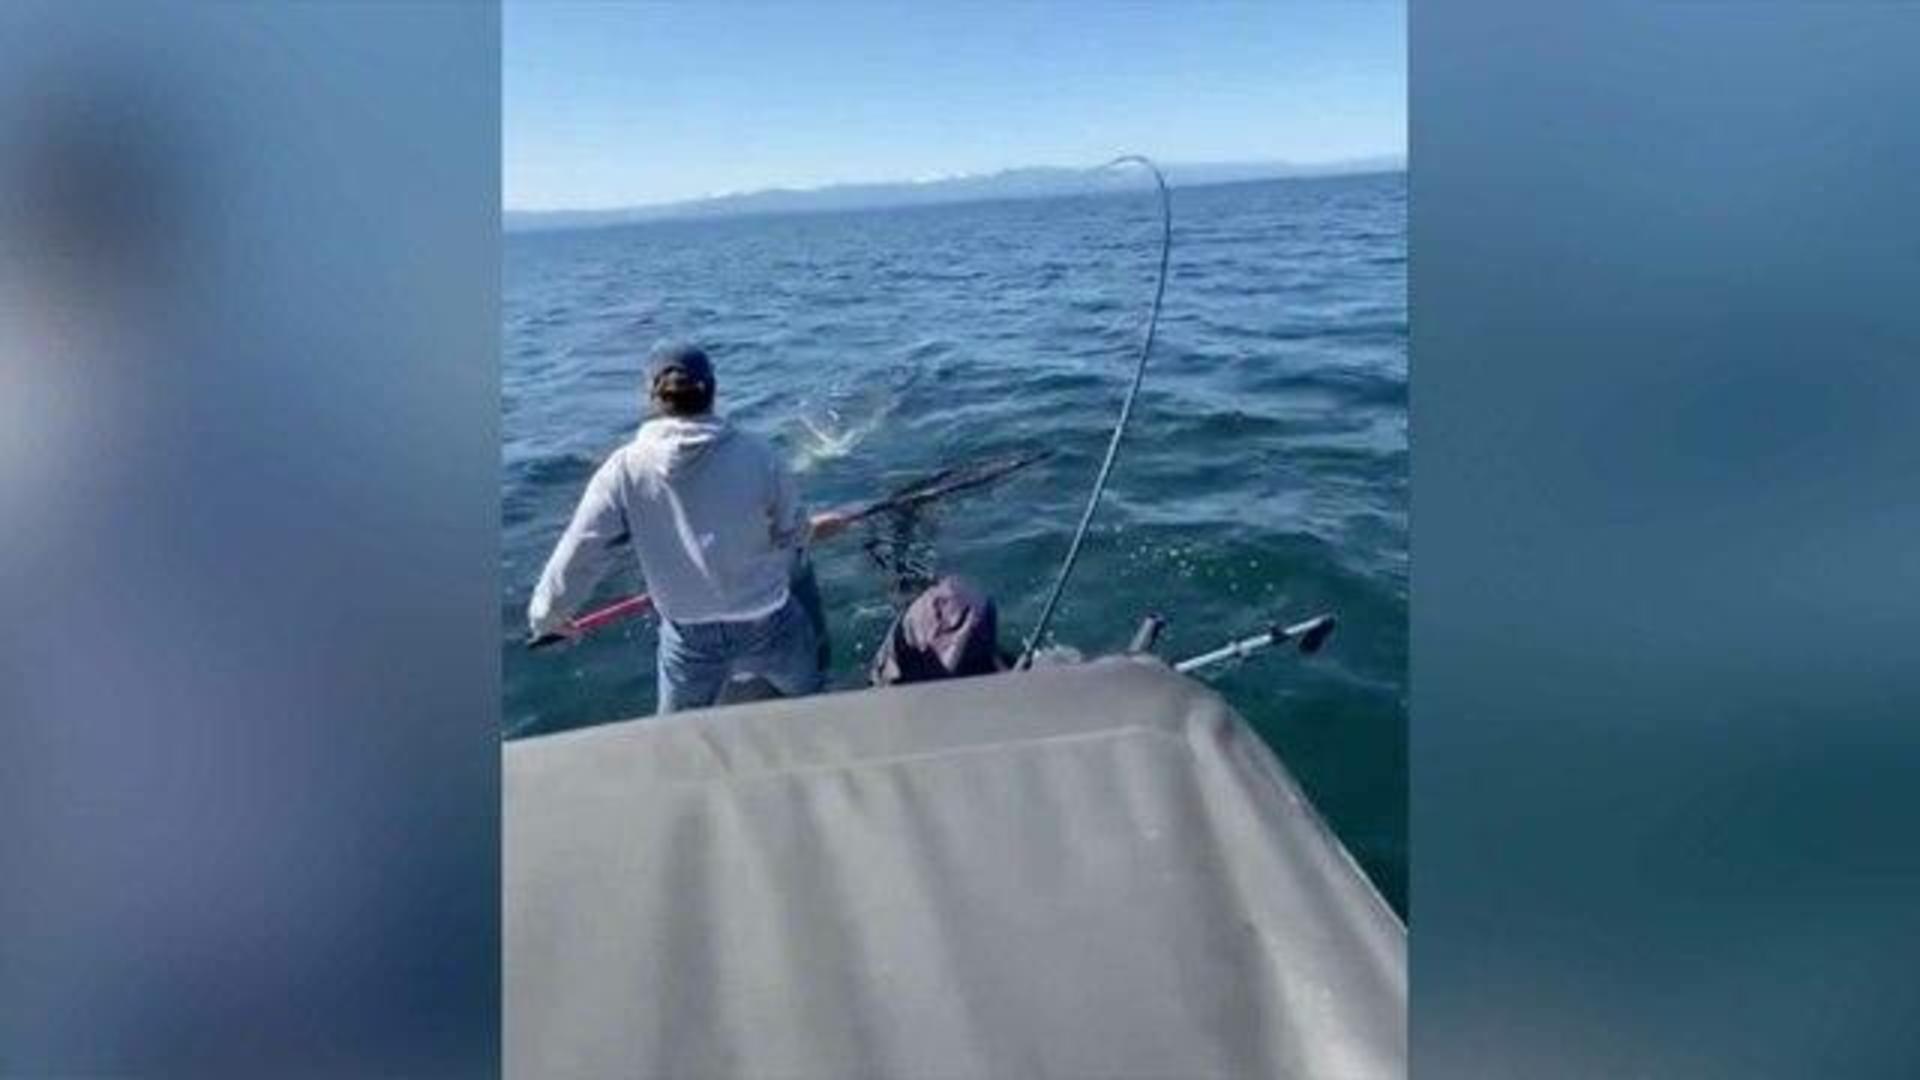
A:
1096,870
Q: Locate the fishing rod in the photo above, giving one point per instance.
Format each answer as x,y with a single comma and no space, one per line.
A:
950,481
947,482
1126,412
1310,634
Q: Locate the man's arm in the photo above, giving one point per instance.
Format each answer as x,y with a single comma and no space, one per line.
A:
583,555
787,515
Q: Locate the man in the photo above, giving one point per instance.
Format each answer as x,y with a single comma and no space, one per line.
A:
714,518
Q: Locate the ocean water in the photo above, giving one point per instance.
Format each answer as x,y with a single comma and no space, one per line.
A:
1264,475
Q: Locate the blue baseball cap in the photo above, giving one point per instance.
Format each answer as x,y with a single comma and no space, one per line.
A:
689,360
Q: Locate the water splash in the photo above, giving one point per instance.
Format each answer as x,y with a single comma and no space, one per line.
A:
834,425
830,436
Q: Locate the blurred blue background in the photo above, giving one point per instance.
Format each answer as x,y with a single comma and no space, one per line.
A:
248,461
1665,577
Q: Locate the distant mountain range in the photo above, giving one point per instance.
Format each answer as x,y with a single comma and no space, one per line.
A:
1028,183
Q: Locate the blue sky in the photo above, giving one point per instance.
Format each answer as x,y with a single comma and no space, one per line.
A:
614,105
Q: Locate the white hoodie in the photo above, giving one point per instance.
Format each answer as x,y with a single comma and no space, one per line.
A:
710,511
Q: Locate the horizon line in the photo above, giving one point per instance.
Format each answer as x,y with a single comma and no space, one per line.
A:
1396,156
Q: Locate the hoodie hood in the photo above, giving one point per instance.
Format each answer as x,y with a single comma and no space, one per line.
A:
673,443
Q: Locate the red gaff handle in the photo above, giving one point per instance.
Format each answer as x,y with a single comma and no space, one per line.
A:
593,620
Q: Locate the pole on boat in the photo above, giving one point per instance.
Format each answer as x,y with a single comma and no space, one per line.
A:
1309,633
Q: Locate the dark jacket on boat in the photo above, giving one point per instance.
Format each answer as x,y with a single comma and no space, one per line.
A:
950,630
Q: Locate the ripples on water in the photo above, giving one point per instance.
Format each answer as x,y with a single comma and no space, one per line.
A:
1264,474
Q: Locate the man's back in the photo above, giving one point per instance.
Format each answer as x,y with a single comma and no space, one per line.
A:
714,516
710,511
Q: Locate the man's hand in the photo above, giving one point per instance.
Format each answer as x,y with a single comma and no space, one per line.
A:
824,526
553,633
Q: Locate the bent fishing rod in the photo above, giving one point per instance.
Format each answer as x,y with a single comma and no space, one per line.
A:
1126,413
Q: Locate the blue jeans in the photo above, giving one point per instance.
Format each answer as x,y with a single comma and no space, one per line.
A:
697,659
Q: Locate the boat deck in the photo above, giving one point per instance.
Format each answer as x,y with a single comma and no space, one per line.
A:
1091,870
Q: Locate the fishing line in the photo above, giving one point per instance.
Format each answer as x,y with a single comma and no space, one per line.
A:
1126,410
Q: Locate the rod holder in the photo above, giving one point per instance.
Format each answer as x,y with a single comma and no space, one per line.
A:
1147,635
